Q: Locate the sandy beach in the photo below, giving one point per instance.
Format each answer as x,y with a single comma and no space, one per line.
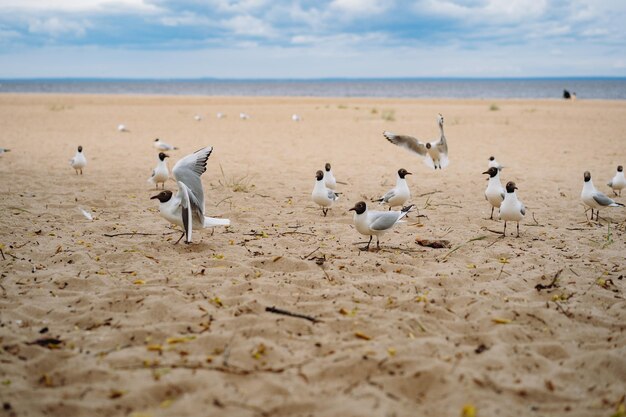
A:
109,318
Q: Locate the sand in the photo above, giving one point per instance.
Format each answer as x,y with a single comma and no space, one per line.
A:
149,328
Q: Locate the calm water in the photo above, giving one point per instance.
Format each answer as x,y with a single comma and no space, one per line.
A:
588,88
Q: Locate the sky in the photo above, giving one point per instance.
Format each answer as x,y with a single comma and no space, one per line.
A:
311,38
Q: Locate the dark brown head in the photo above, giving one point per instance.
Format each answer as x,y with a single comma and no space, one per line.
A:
162,156
163,196
157,139
493,171
587,176
403,172
428,145
510,187
80,148
491,158
327,166
620,168
319,175
359,207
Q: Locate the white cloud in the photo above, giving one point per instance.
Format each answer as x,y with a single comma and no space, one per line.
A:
185,19
360,7
499,11
56,27
75,5
248,26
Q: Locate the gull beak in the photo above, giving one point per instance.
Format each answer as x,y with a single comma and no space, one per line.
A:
353,208
167,156
153,197
486,172
515,188
409,173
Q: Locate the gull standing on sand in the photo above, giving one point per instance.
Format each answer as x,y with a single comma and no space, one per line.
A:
595,199
197,117
399,194
321,195
618,182
435,153
122,128
162,146
495,191
244,116
186,208
295,118
160,174
511,209
494,163
375,223
79,161
3,150
329,177
220,115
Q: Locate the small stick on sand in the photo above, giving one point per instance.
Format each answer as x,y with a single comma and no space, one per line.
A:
290,314
129,234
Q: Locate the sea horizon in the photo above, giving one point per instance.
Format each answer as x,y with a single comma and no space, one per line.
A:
587,87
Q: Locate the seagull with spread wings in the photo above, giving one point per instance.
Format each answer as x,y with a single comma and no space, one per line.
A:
186,208
435,153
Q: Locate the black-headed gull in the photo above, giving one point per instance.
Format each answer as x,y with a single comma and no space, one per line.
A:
399,194
186,208
511,209
495,191
322,196
79,161
375,223
122,128
435,153
329,177
618,182
161,173
162,146
595,199
3,150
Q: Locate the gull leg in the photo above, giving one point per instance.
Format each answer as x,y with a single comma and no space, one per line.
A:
325,211
367,247
517,229
491,217
377,243
181,236
504,233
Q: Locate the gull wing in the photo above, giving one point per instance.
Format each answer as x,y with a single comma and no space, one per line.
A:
390,194
332,195
383,220
190,211
188,171
522,209
442,145
602,199
407,142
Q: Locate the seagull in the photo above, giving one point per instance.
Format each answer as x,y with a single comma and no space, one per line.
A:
160,174
435,153
321,195
495,191
370,222
3,150
186,208
399,194
595,199
617,183
220,115
79,161
162,146
295,118
494,163
244,116
511,209
122,128
329,178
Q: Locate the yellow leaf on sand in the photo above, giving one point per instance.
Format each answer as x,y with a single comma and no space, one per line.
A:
391,351
471,266
139,282
503,260
468,410
499,320
180,339
155,348
362,336
343,311
166,403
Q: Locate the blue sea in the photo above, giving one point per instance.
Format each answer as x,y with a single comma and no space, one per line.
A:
527,88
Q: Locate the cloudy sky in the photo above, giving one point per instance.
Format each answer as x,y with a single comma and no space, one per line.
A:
311,38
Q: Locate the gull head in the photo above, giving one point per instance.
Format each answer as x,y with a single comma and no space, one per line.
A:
440,119
319,175
157,139
428,145
510,187
493,171
587,176
403,172
163,196
492,158
80,148
327,166
620,168
162,156
359,208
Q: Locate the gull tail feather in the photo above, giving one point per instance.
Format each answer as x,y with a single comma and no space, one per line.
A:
212,222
